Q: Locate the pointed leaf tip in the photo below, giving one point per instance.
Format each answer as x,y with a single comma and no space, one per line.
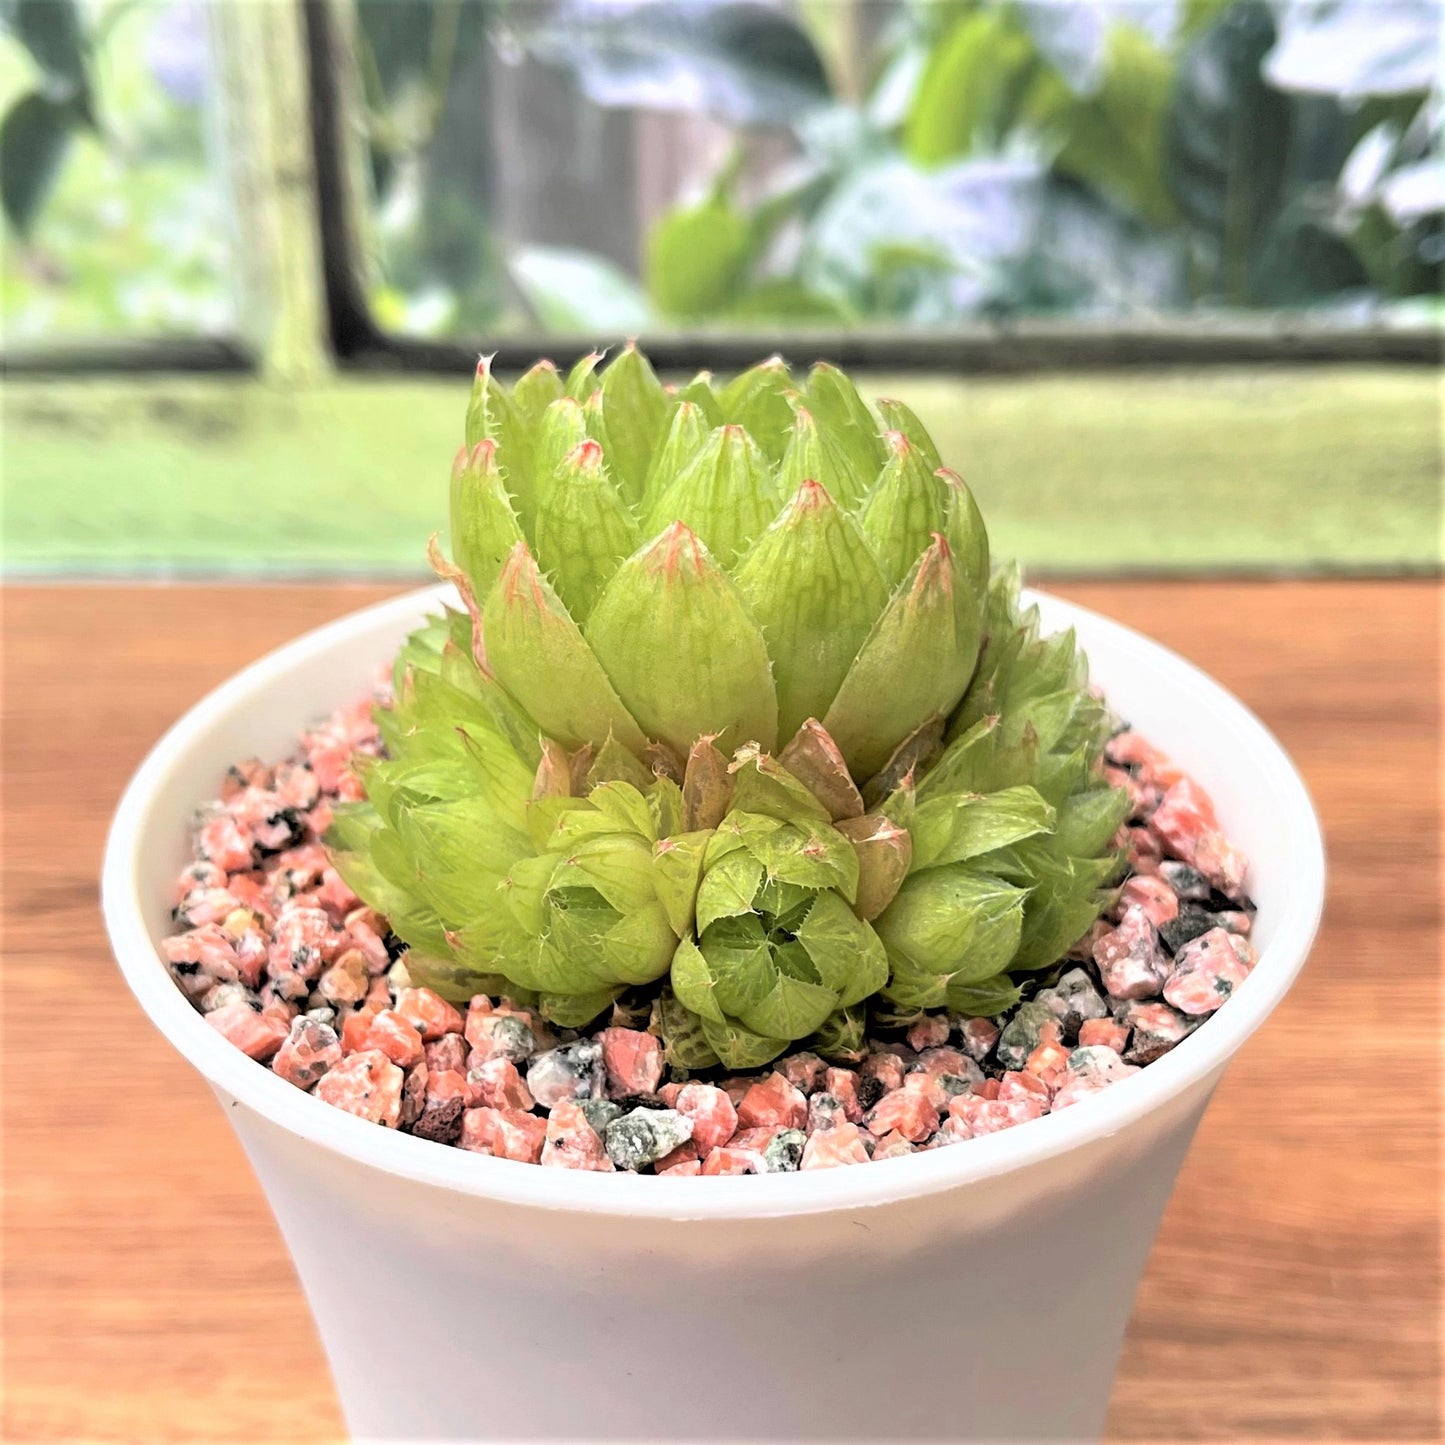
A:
966,530
520,580
586,456
811,496
583,528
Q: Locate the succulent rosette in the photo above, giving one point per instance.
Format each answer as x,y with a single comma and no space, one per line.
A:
735,723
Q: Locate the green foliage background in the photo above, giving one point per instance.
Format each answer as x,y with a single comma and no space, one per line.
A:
967,158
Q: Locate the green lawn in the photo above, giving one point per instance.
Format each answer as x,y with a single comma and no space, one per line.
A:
1299,468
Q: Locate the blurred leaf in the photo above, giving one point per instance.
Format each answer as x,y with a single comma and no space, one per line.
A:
972,89
923,245
51,31
892,95
1367,164
748,64
1198,16
1414,192
1401,261
1072,38
415,39
576,291
1227,140
783,300
1092,257
1355,48
1116,138
34,138
696,257
1301,260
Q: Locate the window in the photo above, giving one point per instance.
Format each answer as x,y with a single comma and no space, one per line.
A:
965,182
897,169
115,203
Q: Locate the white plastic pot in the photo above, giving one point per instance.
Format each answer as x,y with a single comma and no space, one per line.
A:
975,1292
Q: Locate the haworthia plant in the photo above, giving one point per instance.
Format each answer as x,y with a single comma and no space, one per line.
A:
735,719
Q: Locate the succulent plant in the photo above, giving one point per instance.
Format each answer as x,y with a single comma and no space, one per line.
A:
735,722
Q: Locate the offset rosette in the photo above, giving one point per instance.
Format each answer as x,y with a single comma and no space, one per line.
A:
777,945
733,722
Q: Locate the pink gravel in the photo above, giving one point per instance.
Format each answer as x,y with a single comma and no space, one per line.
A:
282,959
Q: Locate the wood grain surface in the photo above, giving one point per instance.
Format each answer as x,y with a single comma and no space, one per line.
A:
1294,1292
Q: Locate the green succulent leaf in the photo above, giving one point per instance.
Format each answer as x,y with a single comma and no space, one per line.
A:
484,528
676,640
536,389
955,828
686,436
848,955
635,407
453,980
761,784
809,854
915,664
583,530
842,1036
983,1000
966,533
617,867
815,455
699,392
739,958
1066,898
899,417
561,430
949,925
625,805
739,1048
686,1045
793,1007
728,888
814,587
834,400
640,946
692,982
615,763
493,416
904,509
761,401
531,641
575,1010
582,379
677,862
725,495
1089,820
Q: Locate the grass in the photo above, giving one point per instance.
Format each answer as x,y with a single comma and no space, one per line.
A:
1304,468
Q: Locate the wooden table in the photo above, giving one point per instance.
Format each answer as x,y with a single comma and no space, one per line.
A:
1295,1289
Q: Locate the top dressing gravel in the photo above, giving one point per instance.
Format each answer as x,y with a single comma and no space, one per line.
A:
279,955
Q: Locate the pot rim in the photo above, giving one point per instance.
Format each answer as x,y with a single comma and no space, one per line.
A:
1114,1109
